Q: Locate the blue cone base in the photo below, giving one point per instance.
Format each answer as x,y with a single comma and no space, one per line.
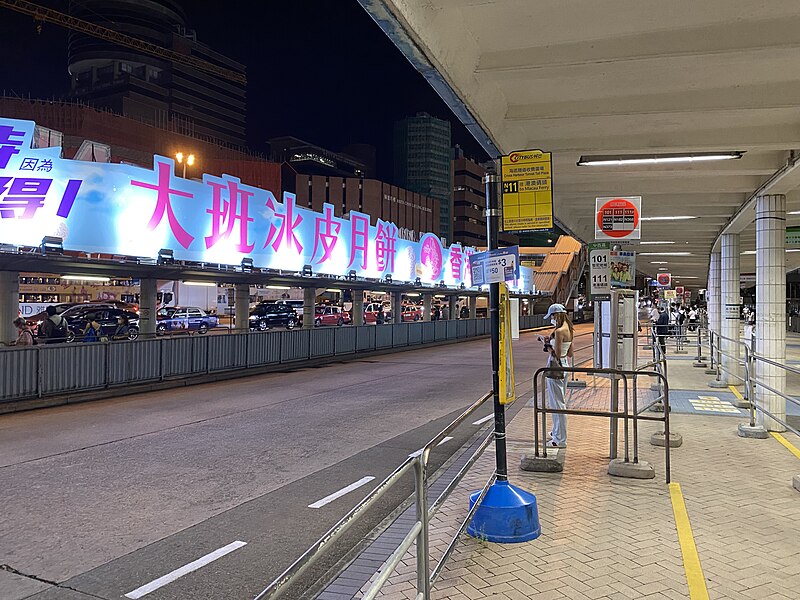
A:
507,515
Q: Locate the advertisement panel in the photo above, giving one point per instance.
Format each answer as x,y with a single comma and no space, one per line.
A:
622,265
527,198
618,218
126,210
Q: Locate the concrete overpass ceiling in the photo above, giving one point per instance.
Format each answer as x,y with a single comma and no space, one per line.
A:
580,77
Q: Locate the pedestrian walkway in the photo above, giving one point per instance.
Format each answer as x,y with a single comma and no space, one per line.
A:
618,539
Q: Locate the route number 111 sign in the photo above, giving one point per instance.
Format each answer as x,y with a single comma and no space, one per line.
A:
600,271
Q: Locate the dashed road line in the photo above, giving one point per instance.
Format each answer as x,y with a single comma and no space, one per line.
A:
418,452
345,490
192,566
484,419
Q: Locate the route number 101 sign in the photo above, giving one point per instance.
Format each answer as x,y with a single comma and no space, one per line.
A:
600,270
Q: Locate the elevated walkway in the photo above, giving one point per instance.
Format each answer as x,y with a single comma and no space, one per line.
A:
728,527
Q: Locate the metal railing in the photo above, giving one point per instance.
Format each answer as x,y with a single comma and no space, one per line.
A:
751,382
418,535
630,411
755,406
53,370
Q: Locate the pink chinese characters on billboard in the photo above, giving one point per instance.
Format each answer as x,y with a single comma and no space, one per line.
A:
127,210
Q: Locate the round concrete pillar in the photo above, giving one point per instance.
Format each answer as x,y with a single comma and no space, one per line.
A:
771,306
9,305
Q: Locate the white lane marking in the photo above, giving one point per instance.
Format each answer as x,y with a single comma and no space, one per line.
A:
341,492
484,419
192,566
418,452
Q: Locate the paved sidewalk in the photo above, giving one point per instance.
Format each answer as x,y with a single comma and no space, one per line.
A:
616,539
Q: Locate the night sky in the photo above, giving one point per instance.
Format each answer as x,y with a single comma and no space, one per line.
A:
319,70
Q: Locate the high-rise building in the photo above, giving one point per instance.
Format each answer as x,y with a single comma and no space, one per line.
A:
469,203
149,88
422,163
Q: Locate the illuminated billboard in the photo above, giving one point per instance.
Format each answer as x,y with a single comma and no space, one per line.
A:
132,211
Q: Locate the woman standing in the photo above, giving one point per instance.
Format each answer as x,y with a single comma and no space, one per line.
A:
25,337
560,348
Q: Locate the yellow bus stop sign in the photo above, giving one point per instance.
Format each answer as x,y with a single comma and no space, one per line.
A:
527,191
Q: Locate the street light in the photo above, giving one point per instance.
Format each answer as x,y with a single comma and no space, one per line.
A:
189,161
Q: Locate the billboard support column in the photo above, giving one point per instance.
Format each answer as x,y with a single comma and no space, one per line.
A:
358,307
148,307
242,307
452,308
473,307
427,301
9,305
507,513
397,307
309,301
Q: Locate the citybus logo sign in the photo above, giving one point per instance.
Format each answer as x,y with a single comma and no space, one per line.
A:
515,157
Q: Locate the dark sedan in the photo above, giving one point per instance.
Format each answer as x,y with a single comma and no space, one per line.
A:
267,315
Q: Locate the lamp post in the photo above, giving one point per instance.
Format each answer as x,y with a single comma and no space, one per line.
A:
189,161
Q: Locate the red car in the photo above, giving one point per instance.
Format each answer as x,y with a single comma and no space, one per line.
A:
330,315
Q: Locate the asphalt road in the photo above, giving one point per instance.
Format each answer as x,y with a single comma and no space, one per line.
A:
104,497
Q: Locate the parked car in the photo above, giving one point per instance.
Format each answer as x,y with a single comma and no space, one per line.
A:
184,318
371,312
106,317
330,315
412,312
267,315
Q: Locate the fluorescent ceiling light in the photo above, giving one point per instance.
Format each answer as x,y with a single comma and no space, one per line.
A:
675,218
333,290
412,295
659,262
684,277
665,254
793,212
793,250
749,252
278,287
85,278
655,159
654,243
200,283
663,269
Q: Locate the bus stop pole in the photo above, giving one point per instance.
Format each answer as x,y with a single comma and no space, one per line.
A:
491,180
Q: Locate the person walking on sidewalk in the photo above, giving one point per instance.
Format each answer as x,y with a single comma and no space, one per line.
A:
559,345
662,329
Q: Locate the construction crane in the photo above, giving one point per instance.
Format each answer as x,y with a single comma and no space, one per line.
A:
40,13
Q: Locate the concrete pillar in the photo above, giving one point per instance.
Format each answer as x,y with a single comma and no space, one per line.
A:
473,307
241,295
397,307
712,293
452,308
771,306
427,301
309,301
358,307
148,307
729,308
9,305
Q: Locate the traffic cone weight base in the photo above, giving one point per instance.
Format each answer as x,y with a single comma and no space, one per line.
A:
507,515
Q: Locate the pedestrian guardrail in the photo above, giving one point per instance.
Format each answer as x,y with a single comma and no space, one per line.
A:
630,414
752,383
41,371
418,463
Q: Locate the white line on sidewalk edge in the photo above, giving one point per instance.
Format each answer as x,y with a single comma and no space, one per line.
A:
192,566
483,420
341,492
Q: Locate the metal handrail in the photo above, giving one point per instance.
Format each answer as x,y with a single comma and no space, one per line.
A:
625,375
749,369
419,532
